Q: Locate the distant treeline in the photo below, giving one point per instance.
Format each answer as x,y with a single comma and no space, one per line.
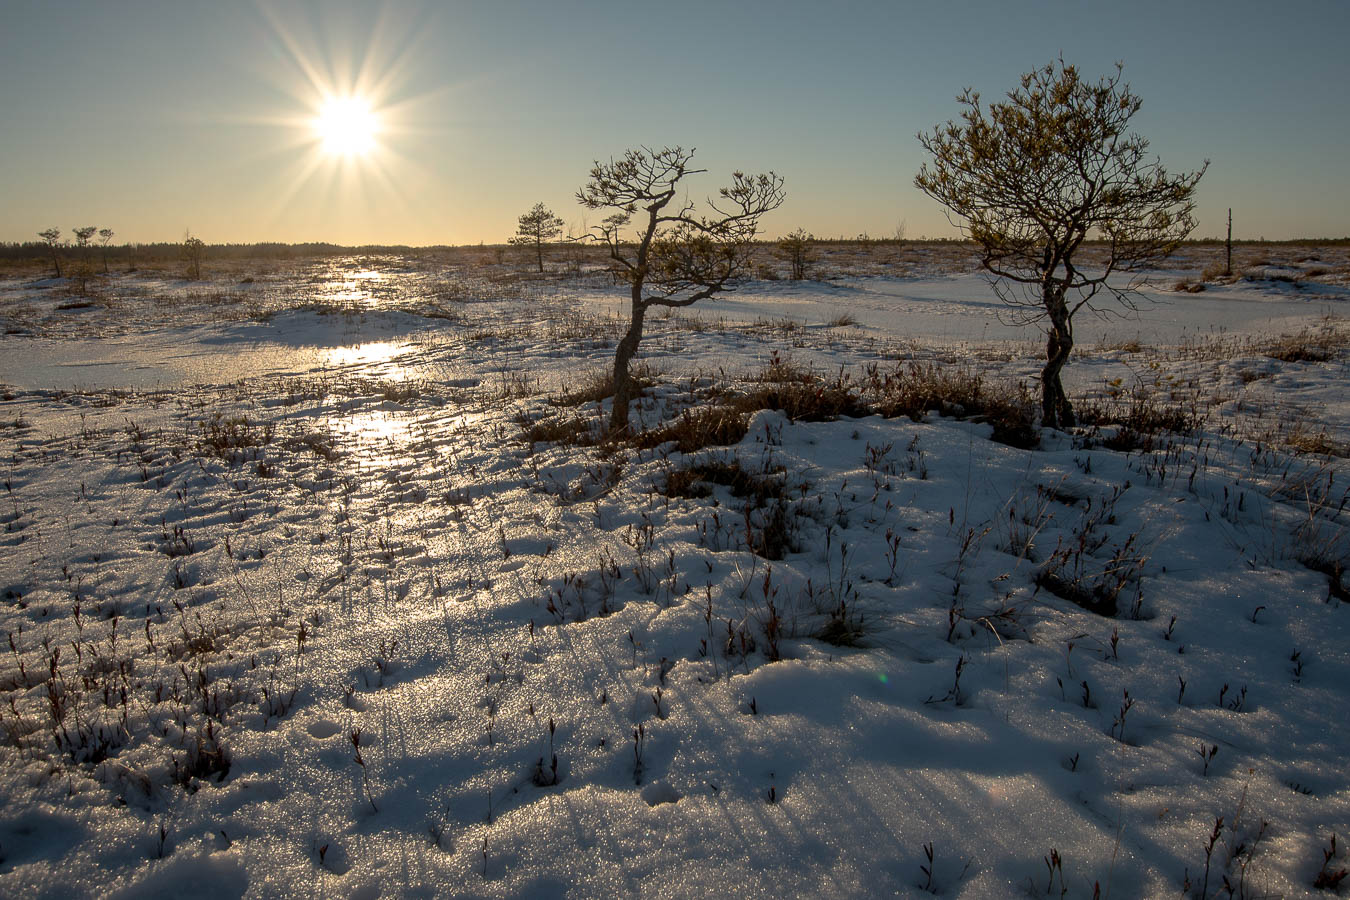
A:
166,250
1291,242
174,250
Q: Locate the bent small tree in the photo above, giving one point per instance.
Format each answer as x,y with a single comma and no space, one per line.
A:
677,255
105,236
52,238
83,238
1041,173
539,226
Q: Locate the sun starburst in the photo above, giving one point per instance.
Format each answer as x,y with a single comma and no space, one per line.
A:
347,126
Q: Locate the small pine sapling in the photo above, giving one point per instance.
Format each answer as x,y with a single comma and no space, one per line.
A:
954,693
365,774
1209,853
1118,724
656,702
892,555
1330,876
548,777
1207,755
927,869
639,746
1054,864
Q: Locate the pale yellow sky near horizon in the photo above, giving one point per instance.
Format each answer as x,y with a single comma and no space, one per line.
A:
156,117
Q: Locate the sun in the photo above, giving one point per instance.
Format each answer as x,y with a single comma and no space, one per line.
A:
346,126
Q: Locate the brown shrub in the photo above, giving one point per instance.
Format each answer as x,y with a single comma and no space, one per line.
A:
573,430
909,390
697,479
1189,287
915,389
1214,271
695,429
1141,417
811,402
599,385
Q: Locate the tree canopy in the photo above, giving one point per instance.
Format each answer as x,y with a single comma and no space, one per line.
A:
538,227
1036,176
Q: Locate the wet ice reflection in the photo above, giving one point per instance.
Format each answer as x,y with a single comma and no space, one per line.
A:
376,438
361,288
380,356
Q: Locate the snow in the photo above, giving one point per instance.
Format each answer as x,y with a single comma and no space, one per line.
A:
295,519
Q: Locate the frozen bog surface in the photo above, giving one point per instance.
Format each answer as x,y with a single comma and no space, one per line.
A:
333,589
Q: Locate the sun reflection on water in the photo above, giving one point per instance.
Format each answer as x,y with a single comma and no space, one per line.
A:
380,441
357,288
381,357
357,284
380,430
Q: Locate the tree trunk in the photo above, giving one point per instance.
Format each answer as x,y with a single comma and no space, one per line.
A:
1228,246
1056,411
623,381
56,261
539,251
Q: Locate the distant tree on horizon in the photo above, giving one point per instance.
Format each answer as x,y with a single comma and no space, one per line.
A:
678,256
52,238
82,269
1038,174
537,227
796,249
194,251
104,236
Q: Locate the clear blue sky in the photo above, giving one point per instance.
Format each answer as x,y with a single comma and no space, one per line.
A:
153,117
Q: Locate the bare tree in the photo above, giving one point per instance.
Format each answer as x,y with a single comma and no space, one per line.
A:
104,236
677,255
52,238
538,227
1037,175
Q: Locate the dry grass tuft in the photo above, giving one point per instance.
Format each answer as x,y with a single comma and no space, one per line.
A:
698,478
598,386
910,390
573,430
712,426
916,389
1141,417
1309,345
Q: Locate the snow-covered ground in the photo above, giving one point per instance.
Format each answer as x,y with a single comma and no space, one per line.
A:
294,608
